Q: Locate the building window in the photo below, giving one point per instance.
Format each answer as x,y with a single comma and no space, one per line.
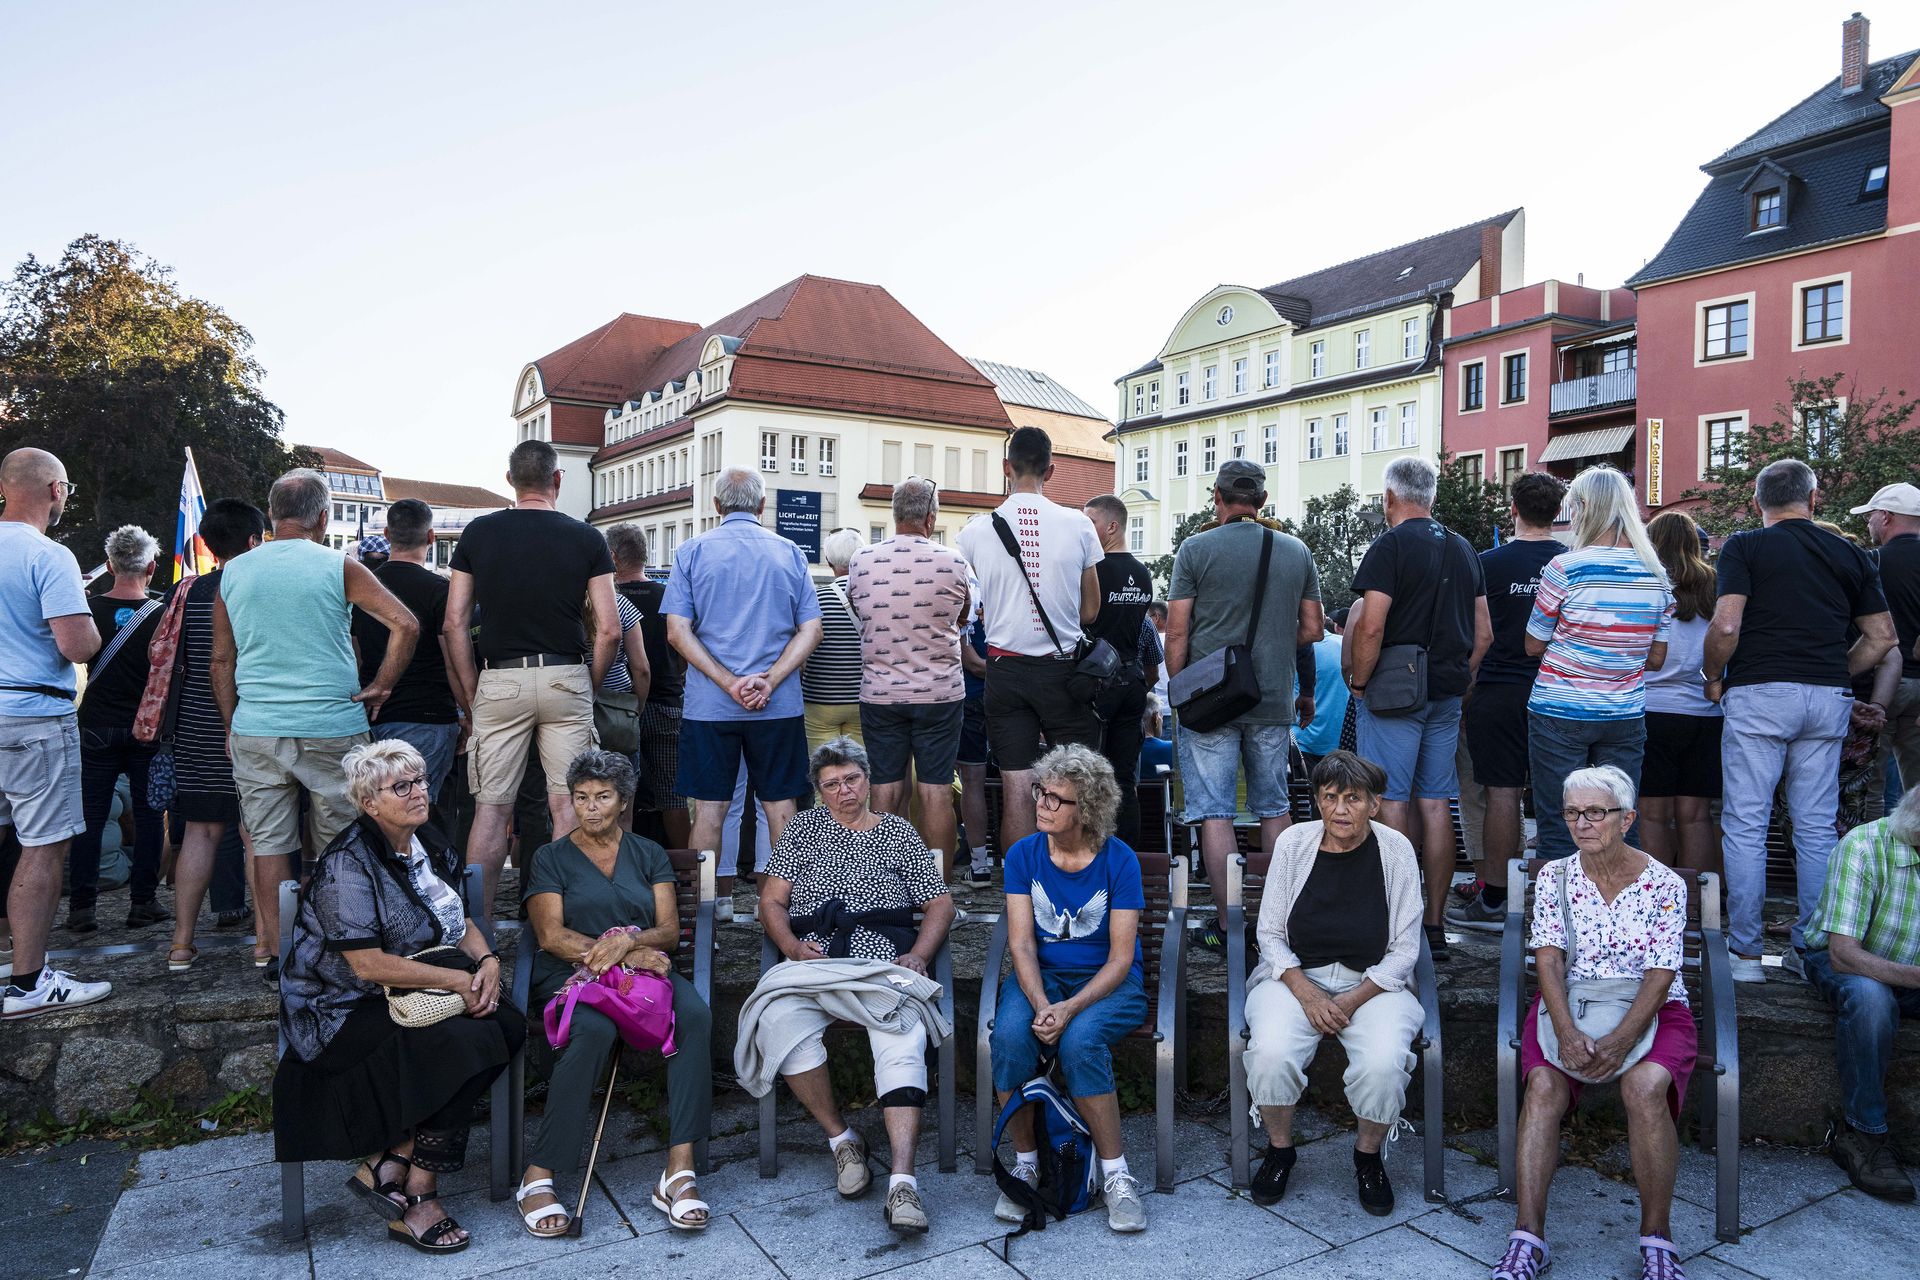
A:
799,453
1821,424
923,460
1721,436
1410,337
1239,444
1153,396
876,533
950,461
769,451
1409,425
1875,183
1141,465
1340,443
1726,331
1316,441
890,462
1273,369
827,449
1210,382
980,471
1513,370
1475,465
1209,455
1823,310
1179,458
1240,376
1182,390
1270,441
1473,386
1513,462
1363,348
1317,359
1377,428
1768,207
1136,533
1139,397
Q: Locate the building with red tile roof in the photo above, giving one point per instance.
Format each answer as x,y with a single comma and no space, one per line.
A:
361,495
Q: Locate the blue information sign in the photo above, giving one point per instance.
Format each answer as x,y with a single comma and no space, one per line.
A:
796,516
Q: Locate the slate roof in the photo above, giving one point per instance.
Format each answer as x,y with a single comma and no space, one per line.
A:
1825,111
1391,276
1034,389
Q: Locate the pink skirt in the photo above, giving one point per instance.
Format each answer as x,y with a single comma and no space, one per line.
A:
1676,1046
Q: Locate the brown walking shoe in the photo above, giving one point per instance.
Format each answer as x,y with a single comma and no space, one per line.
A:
850,1162
1870,1164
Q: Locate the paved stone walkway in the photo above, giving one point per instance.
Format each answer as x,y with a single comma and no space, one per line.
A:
210,1212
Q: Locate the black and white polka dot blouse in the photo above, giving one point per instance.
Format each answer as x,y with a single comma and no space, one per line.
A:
886,868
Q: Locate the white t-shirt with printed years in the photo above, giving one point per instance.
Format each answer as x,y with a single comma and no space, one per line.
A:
1057,545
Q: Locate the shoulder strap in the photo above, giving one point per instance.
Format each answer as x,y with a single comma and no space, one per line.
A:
1012,544
1566,907
1260,584
1439,592
120,638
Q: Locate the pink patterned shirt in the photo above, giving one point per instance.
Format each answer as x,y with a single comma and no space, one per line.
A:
1644,928
911,599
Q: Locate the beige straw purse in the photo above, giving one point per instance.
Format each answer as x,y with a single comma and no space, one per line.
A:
425,1006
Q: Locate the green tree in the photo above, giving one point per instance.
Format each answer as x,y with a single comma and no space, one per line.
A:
1161,567
1854,448
1337,531
1473,507
106,363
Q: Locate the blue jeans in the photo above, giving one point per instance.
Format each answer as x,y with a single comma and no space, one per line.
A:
1866,1014
1085,1048
1557,746
1417,749
434,742
1210,766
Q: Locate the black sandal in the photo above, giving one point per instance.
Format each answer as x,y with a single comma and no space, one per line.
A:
429,1241
380,1194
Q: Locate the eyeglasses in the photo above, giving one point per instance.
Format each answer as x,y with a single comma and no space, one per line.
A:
1574,816
1049,800
406,786
850,782
923,480
68,487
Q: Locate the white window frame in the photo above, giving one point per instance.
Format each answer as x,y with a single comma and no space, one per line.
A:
1270,445
1209,454
1479,455
1210,382
1153,396
1363,349
1179,459
1142,464
1237,444
1271,361
1316,439
1700,309
1800,287
1136,534
1461,398
1342,435
1838,405
1409,418
1317,358
1139,398
1239,375
1410,342
827,450
770,451
1377,423
1183,388
1525,462
1526,377
797,454
1741,416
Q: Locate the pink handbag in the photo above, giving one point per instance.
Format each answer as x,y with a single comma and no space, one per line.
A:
639,1004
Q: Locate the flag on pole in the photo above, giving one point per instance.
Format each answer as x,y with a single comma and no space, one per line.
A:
190,554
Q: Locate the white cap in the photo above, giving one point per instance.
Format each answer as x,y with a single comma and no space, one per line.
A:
1902,499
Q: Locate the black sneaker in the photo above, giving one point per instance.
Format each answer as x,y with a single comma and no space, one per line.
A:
232,919
142,914
271,973
80,920
1270,1182
1376,1193
1212,937
1437,943
980,877
1870,1164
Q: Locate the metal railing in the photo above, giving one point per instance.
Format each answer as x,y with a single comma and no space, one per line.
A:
1577,395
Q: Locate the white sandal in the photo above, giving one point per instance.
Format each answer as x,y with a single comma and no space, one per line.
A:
676,1209
532,1216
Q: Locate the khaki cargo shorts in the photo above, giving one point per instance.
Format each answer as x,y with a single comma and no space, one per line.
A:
270,773
516,707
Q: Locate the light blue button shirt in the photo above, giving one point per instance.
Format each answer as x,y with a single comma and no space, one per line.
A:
746,591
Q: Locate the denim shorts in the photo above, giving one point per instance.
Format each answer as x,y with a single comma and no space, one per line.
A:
434,742
1211,763
1416,749
1085,1048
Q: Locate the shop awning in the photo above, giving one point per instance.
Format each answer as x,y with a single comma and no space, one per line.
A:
1600,442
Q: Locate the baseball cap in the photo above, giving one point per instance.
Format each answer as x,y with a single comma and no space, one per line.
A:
1902,499
1237,475
374,544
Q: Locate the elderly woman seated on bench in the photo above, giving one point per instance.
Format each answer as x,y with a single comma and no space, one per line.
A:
1339,935
840,892
1622,918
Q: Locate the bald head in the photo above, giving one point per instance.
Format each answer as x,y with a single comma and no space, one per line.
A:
34,482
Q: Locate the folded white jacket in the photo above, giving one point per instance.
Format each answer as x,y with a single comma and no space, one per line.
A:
871,993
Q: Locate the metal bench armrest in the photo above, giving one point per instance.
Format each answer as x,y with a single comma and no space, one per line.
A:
984,1110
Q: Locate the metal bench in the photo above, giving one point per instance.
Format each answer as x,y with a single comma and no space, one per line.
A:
693,872
1163,927
1709,978
293,1183
1246,878
946,1087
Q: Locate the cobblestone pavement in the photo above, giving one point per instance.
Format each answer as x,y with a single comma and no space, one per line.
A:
210,1211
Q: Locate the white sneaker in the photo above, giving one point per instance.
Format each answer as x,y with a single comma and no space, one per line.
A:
1126,1211
1006,1210
723,911
1745,970
57,990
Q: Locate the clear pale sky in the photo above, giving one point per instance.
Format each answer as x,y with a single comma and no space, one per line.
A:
405,203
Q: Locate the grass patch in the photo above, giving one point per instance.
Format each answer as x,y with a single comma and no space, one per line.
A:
152,1122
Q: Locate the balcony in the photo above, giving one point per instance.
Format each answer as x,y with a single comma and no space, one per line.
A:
1583,395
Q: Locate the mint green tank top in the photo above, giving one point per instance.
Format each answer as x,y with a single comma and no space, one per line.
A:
287,601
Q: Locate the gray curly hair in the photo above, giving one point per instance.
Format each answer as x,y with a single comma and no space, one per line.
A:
130,549
838,753
1092,780
603,766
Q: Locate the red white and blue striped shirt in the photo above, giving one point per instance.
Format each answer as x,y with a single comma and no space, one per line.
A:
1600,610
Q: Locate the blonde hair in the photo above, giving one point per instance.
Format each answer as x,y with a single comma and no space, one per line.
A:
374,765
1600,504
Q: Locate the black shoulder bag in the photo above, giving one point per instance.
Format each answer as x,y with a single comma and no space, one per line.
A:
1096,663
1221,687
1398,684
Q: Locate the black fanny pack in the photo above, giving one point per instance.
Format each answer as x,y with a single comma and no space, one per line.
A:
1096,664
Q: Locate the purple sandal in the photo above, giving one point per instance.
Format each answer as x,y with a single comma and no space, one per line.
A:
1525,1258
1659,1260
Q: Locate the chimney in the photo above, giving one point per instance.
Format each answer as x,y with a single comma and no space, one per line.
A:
1490,281
1853,54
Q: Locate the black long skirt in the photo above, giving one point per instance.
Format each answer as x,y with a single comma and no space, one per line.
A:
376,1080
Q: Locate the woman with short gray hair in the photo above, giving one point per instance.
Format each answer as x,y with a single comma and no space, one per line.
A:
1074,898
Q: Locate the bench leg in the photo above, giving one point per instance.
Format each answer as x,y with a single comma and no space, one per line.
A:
985,1113
769,1140
949,1107
293,1200
1431,1124
1726,1141
1163,1115
1238,1119
500,1172
517,1113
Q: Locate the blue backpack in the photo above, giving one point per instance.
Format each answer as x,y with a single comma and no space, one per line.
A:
1068,1169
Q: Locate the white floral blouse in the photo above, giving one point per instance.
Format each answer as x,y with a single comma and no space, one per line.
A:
1644,927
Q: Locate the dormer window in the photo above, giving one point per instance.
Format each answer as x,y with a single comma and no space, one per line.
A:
1769,209
1875,183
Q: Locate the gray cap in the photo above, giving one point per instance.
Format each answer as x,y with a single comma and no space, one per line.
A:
1238,476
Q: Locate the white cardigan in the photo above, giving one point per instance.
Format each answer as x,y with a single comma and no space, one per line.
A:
1293,857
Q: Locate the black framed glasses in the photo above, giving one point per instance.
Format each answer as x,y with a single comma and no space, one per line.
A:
1049,800
1589,815
407,786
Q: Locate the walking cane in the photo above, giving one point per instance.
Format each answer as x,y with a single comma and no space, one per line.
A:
593,1154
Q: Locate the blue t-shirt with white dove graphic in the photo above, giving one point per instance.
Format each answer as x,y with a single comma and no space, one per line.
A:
1070,908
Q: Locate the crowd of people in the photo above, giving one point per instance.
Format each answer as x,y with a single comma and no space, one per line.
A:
1643,694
